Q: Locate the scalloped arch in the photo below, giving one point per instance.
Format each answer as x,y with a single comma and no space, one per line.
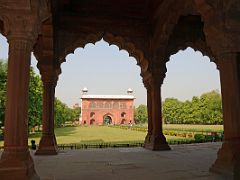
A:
119,41
199,46
3,24
210,12
108,114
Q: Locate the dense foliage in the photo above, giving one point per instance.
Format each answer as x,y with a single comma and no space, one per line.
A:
206,109
3,81
140,114
62,112
35,101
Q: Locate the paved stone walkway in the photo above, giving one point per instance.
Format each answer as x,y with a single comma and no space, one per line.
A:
186,162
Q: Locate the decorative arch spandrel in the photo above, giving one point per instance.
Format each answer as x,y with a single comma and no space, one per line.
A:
221,24
74,41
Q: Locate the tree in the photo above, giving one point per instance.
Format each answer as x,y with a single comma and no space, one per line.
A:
76,113
3,82
204,110
63,113
172,110
211,103
35,100
140,114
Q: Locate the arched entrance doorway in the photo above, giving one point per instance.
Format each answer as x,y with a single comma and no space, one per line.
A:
107,120
123,121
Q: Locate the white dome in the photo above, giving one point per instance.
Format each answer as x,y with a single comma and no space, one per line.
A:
85,89
129,90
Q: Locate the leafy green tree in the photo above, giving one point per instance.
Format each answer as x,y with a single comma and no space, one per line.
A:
140,114
3,82
76,113
35,96
63,113
35,100
172,110
212,107
204,110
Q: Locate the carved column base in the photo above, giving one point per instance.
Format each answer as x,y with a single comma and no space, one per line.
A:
47,146
228,160
147,138
17,165
156,143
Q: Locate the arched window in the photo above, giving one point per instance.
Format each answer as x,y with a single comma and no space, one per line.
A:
92,105
92,114
107,105
107,120
100,105
123,121
116,105
123,106
123,114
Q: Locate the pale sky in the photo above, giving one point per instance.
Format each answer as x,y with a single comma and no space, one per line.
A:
103,69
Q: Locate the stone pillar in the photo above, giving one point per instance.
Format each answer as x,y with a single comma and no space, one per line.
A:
48,143
16,161
149,110
155,137
228,160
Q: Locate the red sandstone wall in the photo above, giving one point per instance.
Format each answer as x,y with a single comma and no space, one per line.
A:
107,107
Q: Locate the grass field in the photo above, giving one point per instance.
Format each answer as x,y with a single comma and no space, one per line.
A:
193,128
98,134
95,134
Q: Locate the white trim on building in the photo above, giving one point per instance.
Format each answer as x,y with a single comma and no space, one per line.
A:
84,96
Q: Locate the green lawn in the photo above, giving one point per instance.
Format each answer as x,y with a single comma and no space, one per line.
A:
193,128
95,134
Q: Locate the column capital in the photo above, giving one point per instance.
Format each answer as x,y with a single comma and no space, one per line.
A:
21,27
224,58
154,75
50,76
49,72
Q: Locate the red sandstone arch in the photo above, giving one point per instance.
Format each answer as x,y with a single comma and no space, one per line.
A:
123,114
207,11
217,29
108,115
199,46
163,29
123,121
196,41
110,38
1,27
92,114
3,24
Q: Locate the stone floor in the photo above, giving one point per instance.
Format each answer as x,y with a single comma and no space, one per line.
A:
188,162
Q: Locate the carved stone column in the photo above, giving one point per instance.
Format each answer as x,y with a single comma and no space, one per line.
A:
155,139
16,162
228,160
48,143
149,110
158,140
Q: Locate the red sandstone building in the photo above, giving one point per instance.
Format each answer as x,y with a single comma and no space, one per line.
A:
107,109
